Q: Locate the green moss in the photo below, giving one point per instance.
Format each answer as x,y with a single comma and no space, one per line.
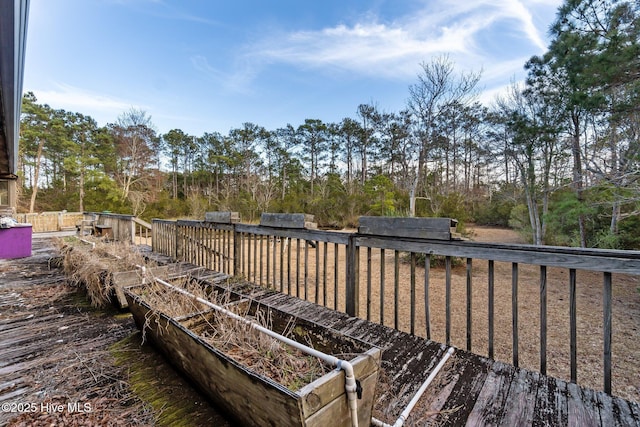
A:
155,382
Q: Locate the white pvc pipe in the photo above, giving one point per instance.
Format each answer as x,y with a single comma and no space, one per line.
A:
143,272
350,380
405,414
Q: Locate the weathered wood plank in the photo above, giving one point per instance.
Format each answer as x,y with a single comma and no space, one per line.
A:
287,220
12,395
425,228
635,410
473,371
438,393
490,404
581,408
520,402
222,217
597,260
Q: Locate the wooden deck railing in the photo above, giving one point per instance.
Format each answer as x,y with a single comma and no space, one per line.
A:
123,228
390,280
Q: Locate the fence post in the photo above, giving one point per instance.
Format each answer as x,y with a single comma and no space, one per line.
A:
353,283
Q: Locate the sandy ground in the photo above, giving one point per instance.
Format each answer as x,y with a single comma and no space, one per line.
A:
626,307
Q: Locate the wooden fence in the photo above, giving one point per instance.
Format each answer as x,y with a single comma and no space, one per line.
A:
50,221
389,272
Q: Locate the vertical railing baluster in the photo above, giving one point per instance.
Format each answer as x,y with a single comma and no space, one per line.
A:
573,337
325,257
491,307
317,258
222,248
369,283
216,250
230,255
396,289
248,253
180,236
469,302
255,259
222,251
607,329
268,250
514,312
543,319
573,323
279,261
201,246
237,253
427,308
261,260
447,309
352,278
297,267
413,293
290,291
281,266
336,252
382,274
306,270
206,233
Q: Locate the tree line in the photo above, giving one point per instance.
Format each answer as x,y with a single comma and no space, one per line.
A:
556,157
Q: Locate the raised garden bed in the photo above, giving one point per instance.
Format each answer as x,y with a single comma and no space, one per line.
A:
186,332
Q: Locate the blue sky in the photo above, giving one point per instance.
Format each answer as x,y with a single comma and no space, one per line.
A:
211,65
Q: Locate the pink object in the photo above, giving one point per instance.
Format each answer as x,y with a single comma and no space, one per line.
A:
15,242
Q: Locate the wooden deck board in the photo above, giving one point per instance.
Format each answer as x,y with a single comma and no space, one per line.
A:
581,407
472,372
491,401
520,403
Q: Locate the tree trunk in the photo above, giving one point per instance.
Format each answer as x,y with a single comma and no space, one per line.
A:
81,190
615,216
412,196
577,174
36,175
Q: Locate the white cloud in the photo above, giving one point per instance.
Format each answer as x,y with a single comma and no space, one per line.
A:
104,108
394,49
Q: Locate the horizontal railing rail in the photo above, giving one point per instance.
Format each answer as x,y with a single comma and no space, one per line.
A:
395,281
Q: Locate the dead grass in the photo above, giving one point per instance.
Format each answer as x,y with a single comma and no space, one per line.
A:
261,353
90,267
170,302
